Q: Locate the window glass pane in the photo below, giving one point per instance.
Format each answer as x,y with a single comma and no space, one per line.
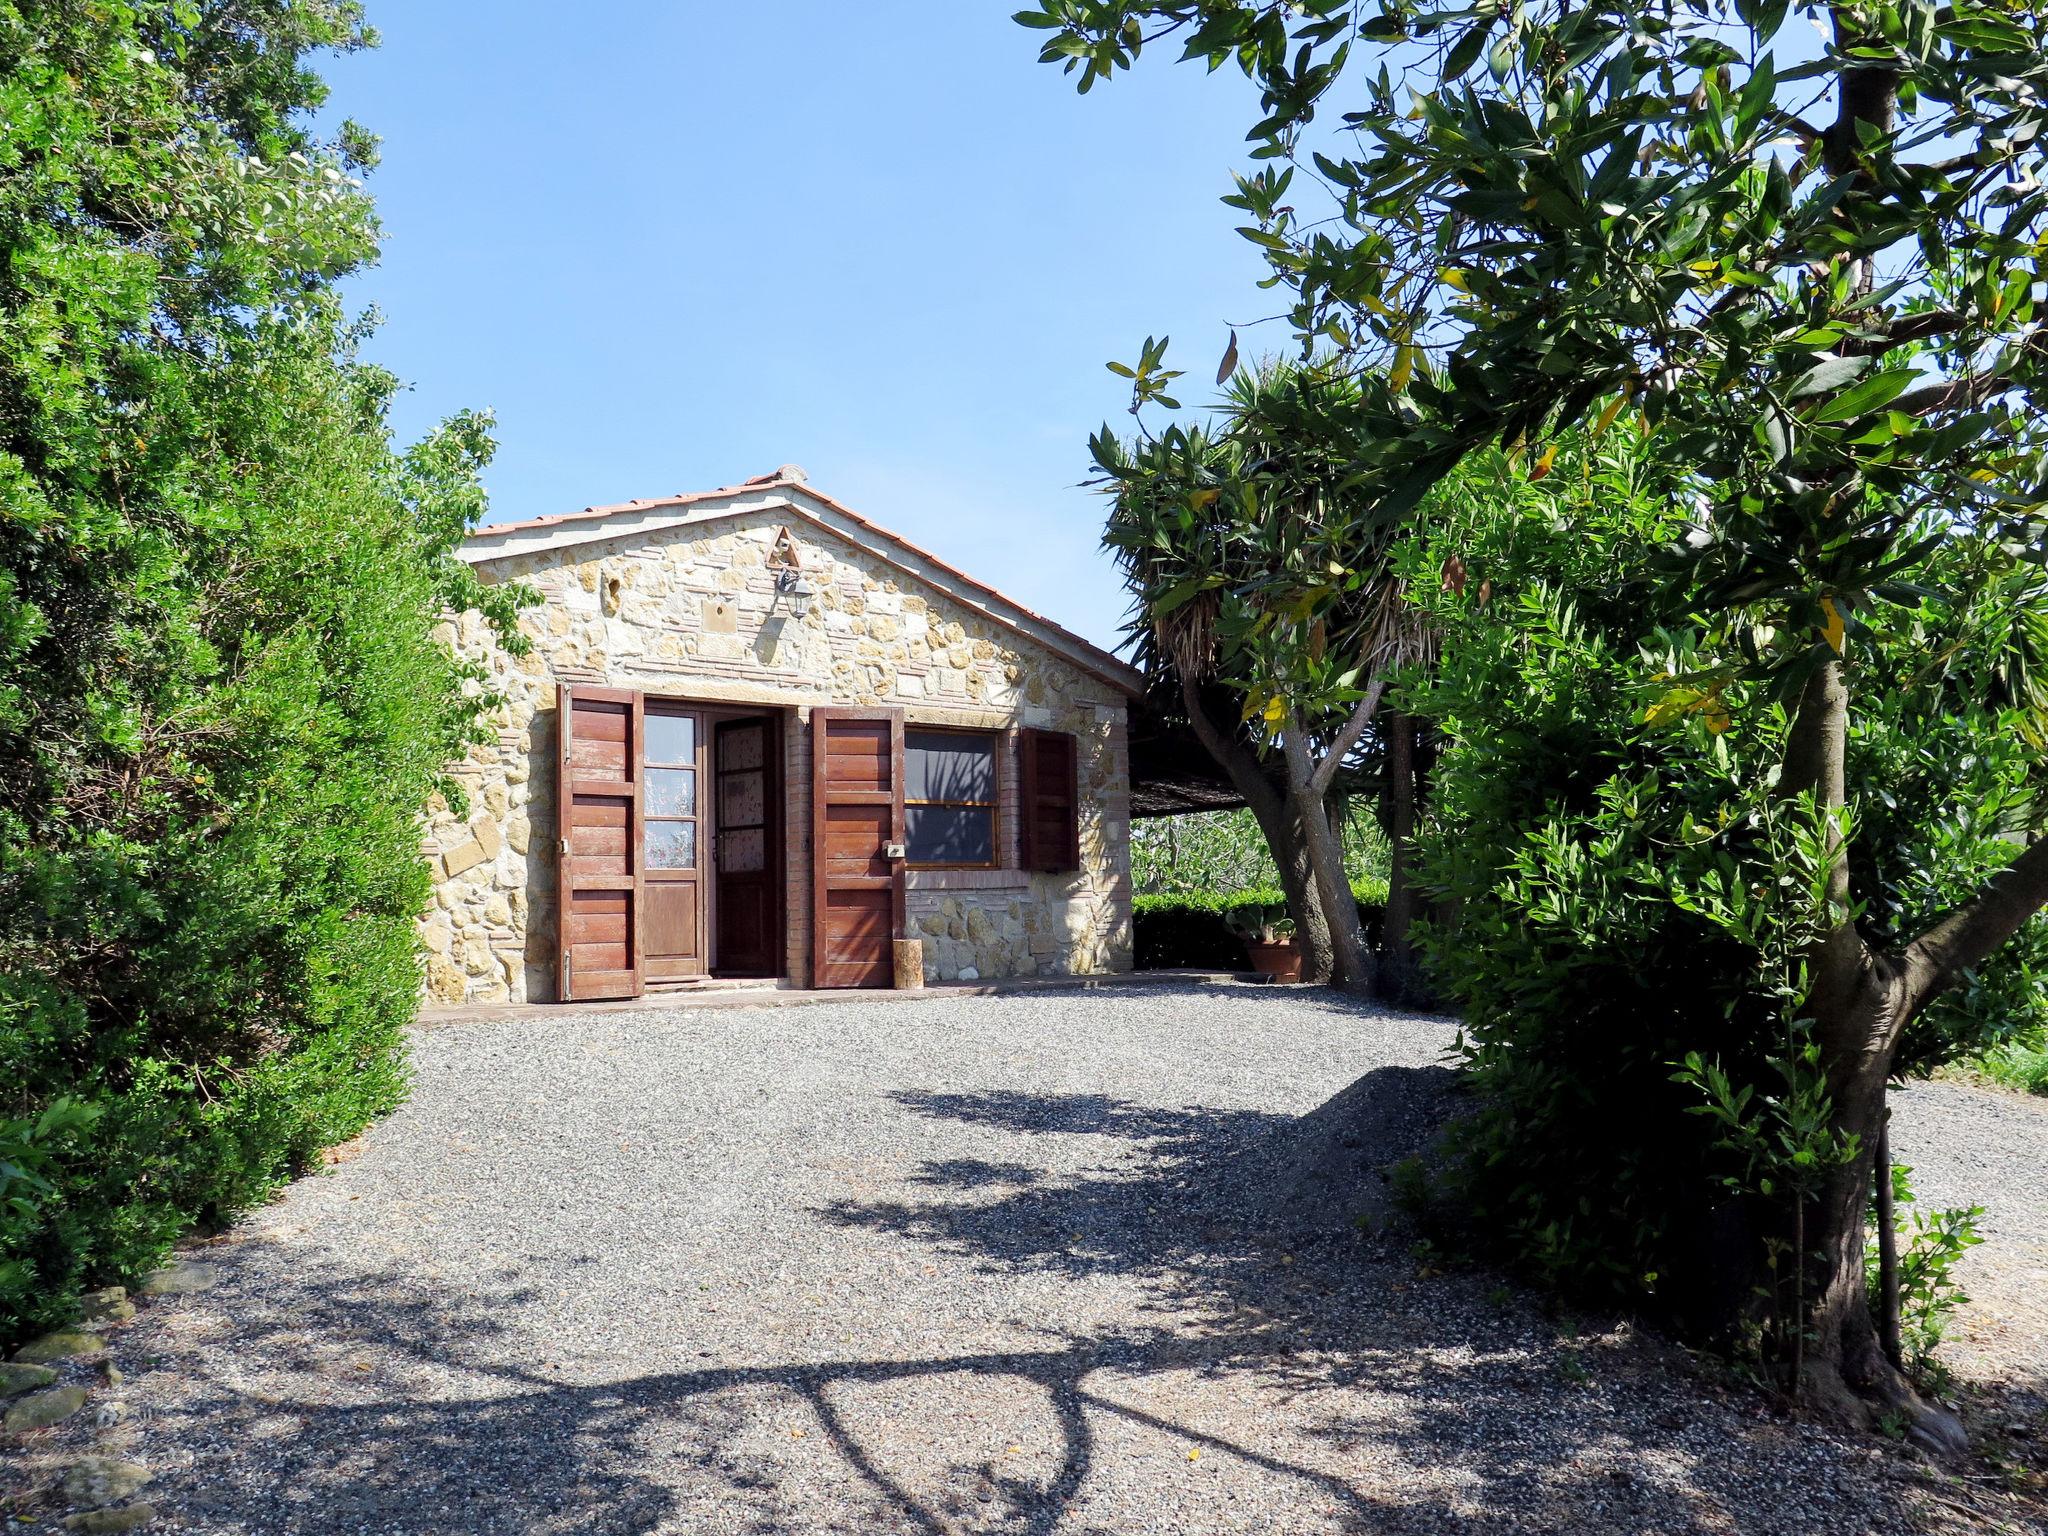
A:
741,746
671,845
671,738
743,852
946,834
742,800
939,765
671,791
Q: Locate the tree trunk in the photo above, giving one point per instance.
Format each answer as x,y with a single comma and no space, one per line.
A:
1298,884
1856,1001
1396,980
1846,1373
1351,963
1280,826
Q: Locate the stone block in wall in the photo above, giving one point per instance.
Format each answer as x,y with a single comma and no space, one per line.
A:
446,984
488,841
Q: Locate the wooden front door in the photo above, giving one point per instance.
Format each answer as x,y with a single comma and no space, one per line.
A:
673,805
856,846
744,767
598,844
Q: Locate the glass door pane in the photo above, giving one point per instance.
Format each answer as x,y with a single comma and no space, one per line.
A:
671,845
671,738
671,792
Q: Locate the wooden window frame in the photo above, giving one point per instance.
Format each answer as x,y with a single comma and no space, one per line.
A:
997,741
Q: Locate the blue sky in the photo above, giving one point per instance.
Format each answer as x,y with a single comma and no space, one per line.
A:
676,245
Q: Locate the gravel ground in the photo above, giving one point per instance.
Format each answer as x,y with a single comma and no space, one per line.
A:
1972,1146
1075,1262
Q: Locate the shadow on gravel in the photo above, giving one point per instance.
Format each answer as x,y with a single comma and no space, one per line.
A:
1243,1229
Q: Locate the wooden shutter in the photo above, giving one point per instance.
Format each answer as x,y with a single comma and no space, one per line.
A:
600,887
856,813
1049,800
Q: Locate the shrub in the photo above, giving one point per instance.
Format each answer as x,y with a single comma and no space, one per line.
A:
2020,1064
1192,930
1930,1244
223,706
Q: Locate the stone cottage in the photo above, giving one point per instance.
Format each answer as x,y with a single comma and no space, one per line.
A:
758,736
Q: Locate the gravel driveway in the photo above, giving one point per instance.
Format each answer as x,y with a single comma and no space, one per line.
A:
1075,1262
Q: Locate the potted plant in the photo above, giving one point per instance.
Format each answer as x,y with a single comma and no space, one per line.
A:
1268,934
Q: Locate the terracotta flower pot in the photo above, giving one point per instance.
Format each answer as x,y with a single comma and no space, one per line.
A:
1280,960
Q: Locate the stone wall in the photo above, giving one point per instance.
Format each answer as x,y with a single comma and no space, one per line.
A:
695,613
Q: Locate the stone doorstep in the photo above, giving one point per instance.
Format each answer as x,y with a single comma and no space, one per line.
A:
768,994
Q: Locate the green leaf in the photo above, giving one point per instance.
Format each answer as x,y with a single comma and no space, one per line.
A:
1465,52
1830,373
1873,393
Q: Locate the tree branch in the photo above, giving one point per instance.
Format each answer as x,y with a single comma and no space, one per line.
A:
1965,392
1907,328
1361,716
1231,754
1969,935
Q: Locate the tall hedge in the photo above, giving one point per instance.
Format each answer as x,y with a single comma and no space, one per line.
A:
222,707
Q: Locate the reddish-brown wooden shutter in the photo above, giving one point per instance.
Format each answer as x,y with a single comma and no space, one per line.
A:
856,814
1049,799
598,844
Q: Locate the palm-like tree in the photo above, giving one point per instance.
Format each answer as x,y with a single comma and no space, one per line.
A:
1262,576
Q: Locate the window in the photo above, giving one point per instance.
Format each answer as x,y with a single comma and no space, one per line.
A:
949,798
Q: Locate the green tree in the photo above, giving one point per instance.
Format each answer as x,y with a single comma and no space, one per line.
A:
1810,258
1635,898
222,708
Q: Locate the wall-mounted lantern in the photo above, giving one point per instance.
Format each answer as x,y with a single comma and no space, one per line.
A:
792,586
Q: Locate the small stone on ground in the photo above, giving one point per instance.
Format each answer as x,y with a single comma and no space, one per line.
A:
188,1277
110,1304
64,1344
92,1481
42,1409
16,1378
101,1522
